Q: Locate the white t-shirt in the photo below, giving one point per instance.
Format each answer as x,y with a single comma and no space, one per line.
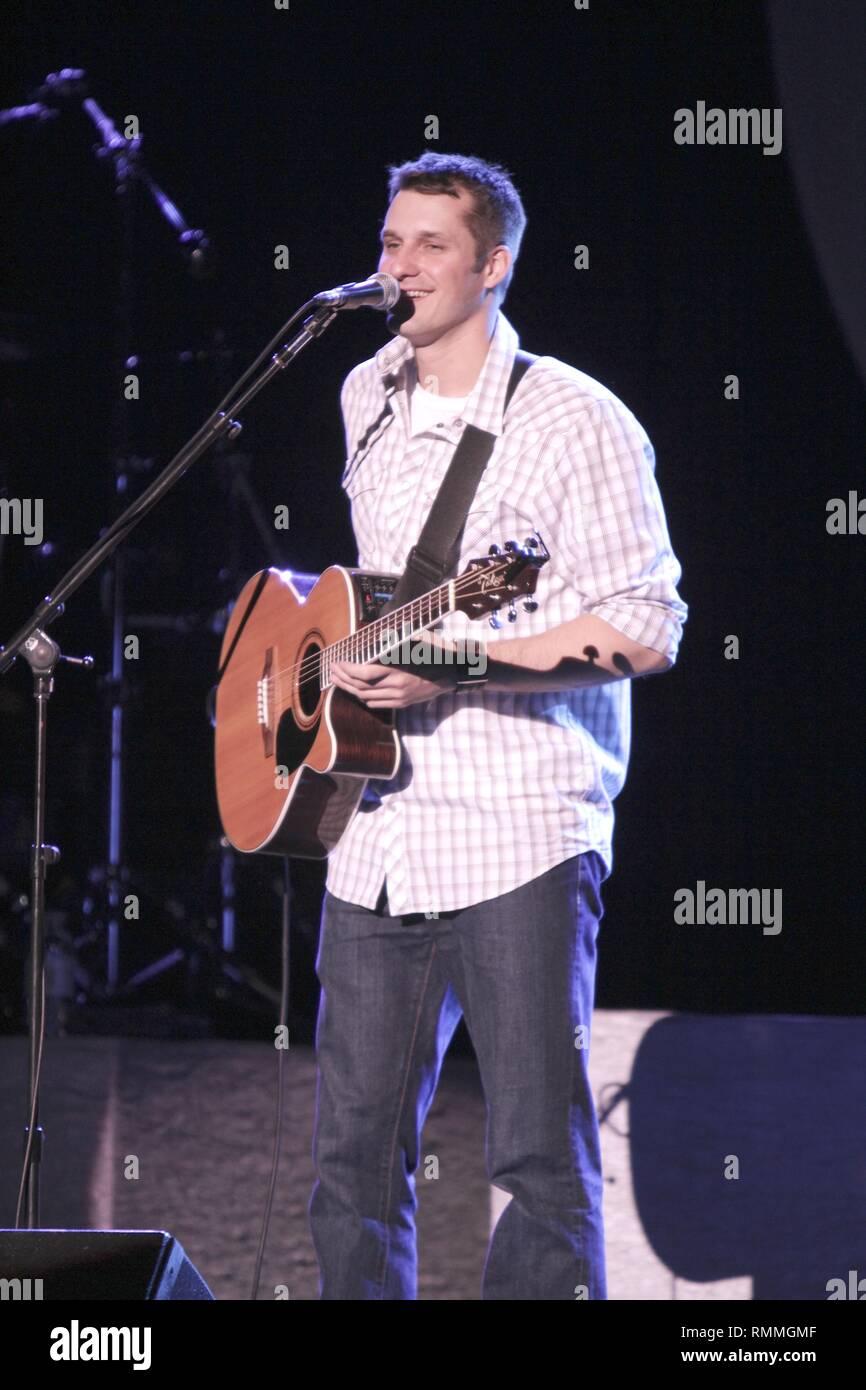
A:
428,408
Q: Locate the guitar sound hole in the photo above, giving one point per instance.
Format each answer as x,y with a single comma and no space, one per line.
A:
309,689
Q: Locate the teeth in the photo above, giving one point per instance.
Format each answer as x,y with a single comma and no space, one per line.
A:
417,294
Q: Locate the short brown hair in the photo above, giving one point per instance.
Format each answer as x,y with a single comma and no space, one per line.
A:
497,215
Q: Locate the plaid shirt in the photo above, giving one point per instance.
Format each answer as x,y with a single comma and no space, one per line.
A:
495,788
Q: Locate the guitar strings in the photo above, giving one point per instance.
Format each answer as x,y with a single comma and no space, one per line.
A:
311,664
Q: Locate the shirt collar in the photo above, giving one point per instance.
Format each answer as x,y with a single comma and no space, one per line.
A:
485,407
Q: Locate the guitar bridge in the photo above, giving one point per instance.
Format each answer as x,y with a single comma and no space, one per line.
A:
265,703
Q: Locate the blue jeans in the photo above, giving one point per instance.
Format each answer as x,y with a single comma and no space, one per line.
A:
521,969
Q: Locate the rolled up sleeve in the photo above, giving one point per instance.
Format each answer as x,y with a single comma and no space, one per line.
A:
613,535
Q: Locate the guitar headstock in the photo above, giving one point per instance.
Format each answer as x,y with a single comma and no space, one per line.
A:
500,577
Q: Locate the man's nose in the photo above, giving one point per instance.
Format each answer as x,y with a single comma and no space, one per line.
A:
401,264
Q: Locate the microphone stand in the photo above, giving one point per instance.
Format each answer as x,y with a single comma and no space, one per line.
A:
42,654
62,90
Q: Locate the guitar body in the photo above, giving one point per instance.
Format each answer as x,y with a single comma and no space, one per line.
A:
292,760
293,751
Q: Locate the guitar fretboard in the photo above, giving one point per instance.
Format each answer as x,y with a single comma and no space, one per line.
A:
385,633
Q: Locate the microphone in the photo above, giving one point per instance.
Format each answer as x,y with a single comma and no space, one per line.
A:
36,111
379,292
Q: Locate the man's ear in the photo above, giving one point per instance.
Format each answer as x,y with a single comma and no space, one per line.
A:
497,266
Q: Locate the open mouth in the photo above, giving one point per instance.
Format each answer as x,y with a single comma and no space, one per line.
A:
417,294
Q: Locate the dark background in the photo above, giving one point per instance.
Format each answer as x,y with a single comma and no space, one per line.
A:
271,127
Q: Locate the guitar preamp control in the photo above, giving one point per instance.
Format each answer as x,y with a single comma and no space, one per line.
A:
374,591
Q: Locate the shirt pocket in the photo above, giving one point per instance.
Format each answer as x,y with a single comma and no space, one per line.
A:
505,519
364,477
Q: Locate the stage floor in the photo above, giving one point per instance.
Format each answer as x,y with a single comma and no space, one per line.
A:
734,1149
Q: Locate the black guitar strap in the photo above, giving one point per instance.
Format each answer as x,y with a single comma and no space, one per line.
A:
435,552
439,543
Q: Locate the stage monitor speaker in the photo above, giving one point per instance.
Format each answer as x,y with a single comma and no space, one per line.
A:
76,1265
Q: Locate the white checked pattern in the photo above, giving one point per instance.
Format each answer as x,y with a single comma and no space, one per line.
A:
496,788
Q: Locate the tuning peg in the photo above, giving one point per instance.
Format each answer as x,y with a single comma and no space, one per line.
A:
494,550
530,543
529,605
512,612
495,620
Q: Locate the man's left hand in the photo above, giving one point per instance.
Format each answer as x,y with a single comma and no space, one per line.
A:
385,687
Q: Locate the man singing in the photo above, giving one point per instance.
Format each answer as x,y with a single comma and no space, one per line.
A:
470,883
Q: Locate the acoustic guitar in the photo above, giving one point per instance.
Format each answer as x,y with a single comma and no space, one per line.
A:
293,751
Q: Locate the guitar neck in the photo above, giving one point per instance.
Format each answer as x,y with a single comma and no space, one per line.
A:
384,634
